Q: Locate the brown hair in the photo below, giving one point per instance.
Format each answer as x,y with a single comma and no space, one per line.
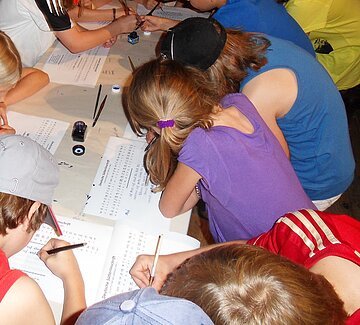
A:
14,210
10,62
166,90
242,51
242,284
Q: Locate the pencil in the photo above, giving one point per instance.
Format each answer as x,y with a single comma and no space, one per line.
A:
156,258
64,248
150,143
100,110
97,100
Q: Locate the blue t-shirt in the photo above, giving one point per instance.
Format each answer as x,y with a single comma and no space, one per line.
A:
315,128
264,16
247,181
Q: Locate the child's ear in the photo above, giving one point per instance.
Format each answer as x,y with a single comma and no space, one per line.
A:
35,206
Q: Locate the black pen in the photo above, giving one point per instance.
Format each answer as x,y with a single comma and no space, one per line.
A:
100,110
64,248
97,100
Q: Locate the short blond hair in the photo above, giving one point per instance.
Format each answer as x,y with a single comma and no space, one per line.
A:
242,284
10,62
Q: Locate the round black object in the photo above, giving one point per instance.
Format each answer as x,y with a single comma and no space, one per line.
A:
78,150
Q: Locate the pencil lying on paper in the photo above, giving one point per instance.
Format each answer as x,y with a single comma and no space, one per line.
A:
100,110
97,100
156,258
64,248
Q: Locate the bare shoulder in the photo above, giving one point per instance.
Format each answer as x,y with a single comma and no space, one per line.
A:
26,296
273,91
344,275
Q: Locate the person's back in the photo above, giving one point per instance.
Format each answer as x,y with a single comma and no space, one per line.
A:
247,181
315,127
27,28
264,16
333,27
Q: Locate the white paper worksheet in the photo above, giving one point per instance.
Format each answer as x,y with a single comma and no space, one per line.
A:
120,190
45,131
81,69
175,13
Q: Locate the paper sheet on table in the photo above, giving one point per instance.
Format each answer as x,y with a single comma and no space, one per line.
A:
175,13
45,131
104,262
81,69
91,258
120,190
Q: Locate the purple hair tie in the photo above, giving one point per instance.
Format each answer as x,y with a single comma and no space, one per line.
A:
165,124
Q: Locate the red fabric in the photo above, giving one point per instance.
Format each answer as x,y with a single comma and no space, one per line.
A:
354,319
306,236
7,276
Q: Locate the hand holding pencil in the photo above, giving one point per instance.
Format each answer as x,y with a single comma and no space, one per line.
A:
63,265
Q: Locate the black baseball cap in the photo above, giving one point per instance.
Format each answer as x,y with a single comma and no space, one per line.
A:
196,42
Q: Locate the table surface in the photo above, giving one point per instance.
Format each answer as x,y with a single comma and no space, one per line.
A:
72,103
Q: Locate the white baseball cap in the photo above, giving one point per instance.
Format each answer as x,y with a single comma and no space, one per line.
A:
30,171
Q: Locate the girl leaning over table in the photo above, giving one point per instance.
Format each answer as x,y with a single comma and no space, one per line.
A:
213,148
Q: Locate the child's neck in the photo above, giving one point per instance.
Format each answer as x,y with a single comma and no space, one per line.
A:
233,118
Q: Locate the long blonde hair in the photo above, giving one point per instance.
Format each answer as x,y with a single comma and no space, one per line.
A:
166,90
243,284
10,62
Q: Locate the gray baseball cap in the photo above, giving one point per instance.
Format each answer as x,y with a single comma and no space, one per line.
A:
144,306
29,171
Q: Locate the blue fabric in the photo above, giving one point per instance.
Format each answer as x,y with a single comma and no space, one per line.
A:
141,307
316,127
264,16
247,181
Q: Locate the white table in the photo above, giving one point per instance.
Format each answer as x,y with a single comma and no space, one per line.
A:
72,103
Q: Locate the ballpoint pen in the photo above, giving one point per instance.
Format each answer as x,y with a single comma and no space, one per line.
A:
64,248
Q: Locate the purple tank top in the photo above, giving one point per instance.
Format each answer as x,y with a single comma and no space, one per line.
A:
247,181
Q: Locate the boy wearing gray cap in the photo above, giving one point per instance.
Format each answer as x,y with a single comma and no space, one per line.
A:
28,177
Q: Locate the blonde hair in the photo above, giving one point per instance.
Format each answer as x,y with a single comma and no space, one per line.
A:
10,62
242,284
166,90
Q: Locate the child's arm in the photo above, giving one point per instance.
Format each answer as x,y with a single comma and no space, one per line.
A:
153,23
94,15
25,303
65,266
179,195
32,80
140,271
77,41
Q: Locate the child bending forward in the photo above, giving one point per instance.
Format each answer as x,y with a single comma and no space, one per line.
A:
219,150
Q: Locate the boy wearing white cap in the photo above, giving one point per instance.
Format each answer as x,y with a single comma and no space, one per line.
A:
28,177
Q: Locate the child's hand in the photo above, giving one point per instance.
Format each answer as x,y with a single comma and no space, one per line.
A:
63,264
110,42
153,23
140,271
3,116
6,129
126,24
148,4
